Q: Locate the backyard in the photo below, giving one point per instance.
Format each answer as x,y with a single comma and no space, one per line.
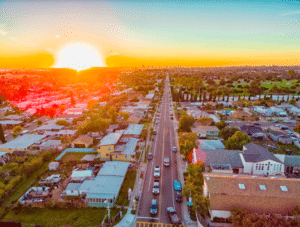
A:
129,182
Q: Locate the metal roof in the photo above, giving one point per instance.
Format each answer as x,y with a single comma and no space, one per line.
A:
114,168
50,127
134,129
2,153
130,147
210,144
51,143
82,173
105,187
110,139
73,186
10,122
23,142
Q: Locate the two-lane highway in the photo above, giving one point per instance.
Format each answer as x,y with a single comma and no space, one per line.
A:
162,148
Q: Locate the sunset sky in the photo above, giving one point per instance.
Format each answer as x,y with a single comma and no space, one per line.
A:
150,32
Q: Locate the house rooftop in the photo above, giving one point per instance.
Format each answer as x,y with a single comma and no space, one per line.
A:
73,186
23,142
10,122
255,153
251,129
210,144
114,168
83,139
134,129
50,127
130,147
110,139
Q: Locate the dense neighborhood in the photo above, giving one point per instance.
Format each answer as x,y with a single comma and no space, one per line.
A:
185,146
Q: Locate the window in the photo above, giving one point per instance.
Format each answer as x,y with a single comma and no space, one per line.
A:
262,187
207,177
127,156
256,166
262,167
280,167
116,156
283,188
242,186
268,166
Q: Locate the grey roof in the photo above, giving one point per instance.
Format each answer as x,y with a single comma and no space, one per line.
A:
110,139
277,133
10,122
50,127
51,143
23,142
249,129
114,126
134,129
292,160
210,144
255,153
66,132
149,96
105,187
2,153
130,146
231,157
114,168
73,186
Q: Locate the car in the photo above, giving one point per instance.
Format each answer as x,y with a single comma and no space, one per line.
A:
277,125
155,189
177,186
149,156
256,123
272,146
173,216
154,132
153,207
166,161
276,121
174,149
171,118
178,197
156,171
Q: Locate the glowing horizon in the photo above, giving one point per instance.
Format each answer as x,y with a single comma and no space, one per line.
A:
151,33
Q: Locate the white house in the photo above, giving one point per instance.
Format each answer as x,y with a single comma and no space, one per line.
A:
258,160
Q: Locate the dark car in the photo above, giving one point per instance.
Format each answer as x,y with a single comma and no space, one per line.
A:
178,197
256,123
174,149
149,156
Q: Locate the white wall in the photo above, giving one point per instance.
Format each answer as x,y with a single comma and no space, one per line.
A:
247,165
220,214
271,170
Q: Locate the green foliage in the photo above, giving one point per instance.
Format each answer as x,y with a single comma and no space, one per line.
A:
237,141
62,122
125,115
225,133
297,128
17,129
221,125
185,123
292,102
39,122
205,120
93,126
194,187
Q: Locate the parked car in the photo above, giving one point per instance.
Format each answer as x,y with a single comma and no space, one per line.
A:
153,207
174,149
178,197
256,123
156,171
177,186
173,216
277,125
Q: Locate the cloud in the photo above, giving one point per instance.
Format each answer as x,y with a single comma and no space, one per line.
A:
57,36
114,53
290,13
3,32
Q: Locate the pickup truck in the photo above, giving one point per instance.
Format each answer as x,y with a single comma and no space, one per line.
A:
155,189
173,216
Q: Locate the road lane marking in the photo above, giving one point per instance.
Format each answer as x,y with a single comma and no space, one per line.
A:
147,217
161,184
172,171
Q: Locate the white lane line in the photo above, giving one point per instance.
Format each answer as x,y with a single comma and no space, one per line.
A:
147,217
172,170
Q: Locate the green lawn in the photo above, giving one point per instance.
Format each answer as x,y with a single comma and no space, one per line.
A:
283,83
76,156
58,217
281,149
129,182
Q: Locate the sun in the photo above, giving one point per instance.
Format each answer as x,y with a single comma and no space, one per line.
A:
78,56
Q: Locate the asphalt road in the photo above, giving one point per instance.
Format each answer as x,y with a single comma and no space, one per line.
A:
161,147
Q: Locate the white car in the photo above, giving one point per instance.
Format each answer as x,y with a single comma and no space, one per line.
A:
156,171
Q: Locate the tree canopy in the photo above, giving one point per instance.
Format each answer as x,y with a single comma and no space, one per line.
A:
228,132
237,141
185,123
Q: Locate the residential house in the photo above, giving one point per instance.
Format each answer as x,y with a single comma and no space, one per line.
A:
258,160
253,131
210,144
107,145
295,111
72,189
278,111
81,175
83,141
225,161
127,153
285,106
263,110
206,131
50,145
133,130
149,96
21,143
104,189
291,163
49,127
254,194
9,124
35,194
278,136
112,128
51,180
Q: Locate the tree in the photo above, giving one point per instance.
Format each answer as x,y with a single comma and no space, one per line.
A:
221,125
2,137
39,122
297,128
228,132
125,115
205,121
185,123
17,129
62,122
237,141
292,102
